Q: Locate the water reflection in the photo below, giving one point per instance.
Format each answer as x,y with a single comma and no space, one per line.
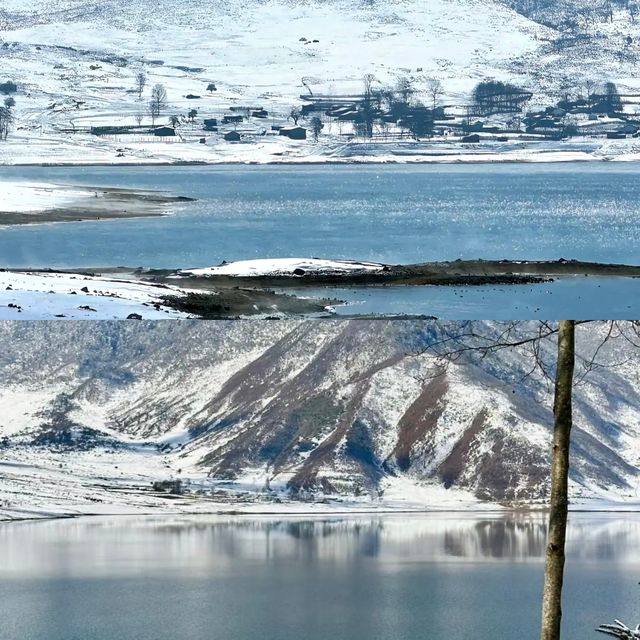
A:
114,546
439,576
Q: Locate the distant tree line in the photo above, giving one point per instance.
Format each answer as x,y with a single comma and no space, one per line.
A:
382,106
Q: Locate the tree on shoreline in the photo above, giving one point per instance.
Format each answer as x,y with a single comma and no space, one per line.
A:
316,127
523,335
559,501
295,114
435,89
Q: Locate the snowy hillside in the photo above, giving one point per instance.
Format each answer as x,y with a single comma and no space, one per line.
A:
75,63
92,413
256,52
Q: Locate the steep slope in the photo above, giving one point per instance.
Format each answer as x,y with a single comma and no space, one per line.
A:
310,409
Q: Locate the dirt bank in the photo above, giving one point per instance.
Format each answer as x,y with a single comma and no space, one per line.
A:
231,303
456,273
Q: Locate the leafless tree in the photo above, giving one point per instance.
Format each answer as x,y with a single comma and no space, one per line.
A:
608,7
434,88
464,339
405,89
157,103
6,122
295,114
590,88
367,105
141,82
316,127
559,502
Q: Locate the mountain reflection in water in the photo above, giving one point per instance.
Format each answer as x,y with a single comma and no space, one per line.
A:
402,577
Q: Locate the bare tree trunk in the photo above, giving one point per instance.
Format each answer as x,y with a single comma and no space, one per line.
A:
562,410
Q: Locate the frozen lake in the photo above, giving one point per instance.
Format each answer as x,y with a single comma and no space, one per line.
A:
439,576
393,214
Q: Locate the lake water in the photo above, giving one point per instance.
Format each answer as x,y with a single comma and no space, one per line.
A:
393,214
372,212
578,298
441,577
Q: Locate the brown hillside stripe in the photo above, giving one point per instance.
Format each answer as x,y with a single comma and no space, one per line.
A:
420,419
455,463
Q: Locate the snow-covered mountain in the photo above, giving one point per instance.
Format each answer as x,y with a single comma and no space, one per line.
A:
301,409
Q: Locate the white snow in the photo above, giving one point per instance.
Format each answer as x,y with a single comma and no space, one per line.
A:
77,74
283,266
81,73
230,380
34,197
45,296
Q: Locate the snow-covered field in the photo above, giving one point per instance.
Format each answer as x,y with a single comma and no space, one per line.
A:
34,197
101,483
45,296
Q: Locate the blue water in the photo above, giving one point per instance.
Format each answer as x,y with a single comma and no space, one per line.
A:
579,298
375,212
393,214
438,576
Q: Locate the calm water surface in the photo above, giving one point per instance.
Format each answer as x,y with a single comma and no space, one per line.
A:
442,577
580,298
382,213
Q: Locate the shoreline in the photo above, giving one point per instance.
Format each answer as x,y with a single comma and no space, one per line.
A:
441,273
82,295
491,510
431,160
287,293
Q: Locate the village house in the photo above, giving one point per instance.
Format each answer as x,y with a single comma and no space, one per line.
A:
294,133
164,132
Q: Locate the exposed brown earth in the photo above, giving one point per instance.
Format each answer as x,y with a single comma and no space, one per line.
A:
419,420
456,462
306,477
